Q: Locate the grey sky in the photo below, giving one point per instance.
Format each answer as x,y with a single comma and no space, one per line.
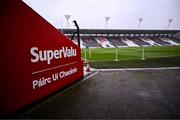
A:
124,13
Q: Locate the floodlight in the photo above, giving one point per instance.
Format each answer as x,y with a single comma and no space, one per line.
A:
107,19
140,20
67,19
169,22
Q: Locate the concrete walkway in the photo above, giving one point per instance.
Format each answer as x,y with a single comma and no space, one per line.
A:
116,94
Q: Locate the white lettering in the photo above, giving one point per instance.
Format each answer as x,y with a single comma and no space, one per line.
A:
48,55
41,82
67,73
56,54
42,56
54,77
34,54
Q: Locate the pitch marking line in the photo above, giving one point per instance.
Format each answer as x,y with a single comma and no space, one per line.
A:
160,68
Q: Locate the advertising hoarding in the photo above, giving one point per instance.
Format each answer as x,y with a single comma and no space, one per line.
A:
36,59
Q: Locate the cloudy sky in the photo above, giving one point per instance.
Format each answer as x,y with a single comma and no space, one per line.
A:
123,14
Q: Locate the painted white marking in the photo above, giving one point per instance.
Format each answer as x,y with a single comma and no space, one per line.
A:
90,76
53,68
161,68
79,82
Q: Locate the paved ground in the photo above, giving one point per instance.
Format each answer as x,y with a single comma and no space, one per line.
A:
116,94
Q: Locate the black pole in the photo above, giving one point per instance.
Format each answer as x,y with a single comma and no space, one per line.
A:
78,38
77,32
73,36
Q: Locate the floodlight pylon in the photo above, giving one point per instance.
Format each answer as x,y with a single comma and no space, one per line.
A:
140,21
107,19
169,22
67,19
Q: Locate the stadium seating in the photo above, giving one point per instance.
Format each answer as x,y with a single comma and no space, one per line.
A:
81,42
90,42
161,42
150,41
129,42
169,41
174,39
117,42
140,42
104,42
112,42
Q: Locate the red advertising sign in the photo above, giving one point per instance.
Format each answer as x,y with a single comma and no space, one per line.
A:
37,59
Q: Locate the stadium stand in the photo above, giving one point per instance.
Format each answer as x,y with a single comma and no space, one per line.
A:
112,42
130,43
117,42
103,38
104,42
81,42
140,42
175,39
176,35
150,41
161,42
169,41
90,42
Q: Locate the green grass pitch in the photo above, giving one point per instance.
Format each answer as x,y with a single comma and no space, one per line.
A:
130,53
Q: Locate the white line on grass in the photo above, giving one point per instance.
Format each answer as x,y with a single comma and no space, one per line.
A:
163,56
160,68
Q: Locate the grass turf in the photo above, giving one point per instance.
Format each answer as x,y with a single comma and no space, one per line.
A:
161,56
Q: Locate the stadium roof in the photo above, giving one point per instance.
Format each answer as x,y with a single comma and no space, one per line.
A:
119,31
